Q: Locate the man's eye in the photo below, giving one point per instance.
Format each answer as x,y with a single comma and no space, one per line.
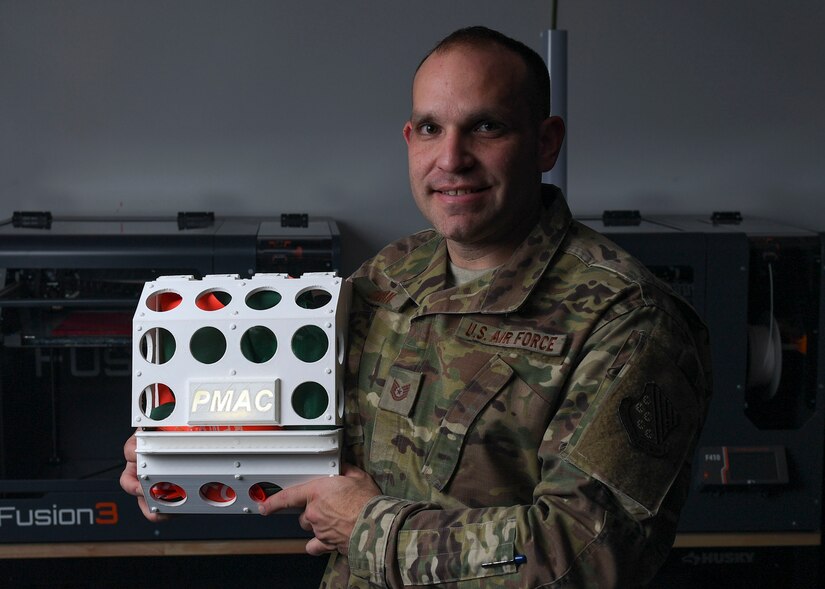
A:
427,129
488,127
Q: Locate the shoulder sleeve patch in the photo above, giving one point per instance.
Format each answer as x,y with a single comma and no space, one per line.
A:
649,419
642,426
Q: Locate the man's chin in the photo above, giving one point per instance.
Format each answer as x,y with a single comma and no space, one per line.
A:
460,234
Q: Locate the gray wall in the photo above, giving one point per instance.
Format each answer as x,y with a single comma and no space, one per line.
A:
119,107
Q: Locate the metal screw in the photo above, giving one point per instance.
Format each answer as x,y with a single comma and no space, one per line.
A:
238,477
154,510
144,477
237,464
143,465
246,510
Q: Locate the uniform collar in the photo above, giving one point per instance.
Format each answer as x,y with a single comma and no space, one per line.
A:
422,273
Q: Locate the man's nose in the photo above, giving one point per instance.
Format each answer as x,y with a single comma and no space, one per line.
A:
455,153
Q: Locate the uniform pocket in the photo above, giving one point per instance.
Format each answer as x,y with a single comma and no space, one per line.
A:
446,449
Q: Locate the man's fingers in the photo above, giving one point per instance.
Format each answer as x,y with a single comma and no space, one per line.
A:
290,497
304,522
316,548
130,449
349,470
129,481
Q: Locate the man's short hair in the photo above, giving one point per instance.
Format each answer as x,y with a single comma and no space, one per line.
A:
538,78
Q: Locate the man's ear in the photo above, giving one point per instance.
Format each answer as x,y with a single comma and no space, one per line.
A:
551,137
407,131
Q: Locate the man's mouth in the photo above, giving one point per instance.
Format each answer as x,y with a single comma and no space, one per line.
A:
459,191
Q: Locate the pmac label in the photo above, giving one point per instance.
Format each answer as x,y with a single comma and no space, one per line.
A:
244,402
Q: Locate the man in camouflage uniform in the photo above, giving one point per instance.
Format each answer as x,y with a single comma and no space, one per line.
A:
523,397
547,409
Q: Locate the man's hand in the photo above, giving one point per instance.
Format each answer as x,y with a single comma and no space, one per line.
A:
129,481
331,507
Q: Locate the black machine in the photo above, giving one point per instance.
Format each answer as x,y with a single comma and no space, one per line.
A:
68,289
754,510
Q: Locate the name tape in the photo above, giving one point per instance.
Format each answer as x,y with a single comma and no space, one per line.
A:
551,344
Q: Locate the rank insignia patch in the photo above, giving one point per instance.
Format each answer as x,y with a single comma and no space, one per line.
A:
649,419
400,390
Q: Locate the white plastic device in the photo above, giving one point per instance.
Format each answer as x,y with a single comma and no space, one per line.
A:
237,387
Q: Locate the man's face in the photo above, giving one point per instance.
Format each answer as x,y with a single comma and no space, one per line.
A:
476,151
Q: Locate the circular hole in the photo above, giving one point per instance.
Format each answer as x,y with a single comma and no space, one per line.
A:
208,345
218,494
258,344
314,298
310,400
168,493
310,343
212,300
157,401
263,299
260,491
157,345
163,301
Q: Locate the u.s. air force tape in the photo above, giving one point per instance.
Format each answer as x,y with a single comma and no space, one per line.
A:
551,344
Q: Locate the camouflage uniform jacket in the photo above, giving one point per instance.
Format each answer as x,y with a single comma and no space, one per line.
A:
547,410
